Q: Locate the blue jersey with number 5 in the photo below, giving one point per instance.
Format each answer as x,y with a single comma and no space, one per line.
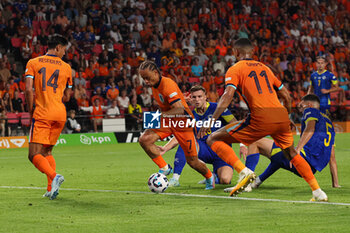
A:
318,148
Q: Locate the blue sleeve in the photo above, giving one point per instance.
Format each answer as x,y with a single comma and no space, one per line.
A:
332,78
311,114
179,161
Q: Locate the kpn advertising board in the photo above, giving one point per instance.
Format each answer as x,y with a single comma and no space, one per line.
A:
64,140
86,139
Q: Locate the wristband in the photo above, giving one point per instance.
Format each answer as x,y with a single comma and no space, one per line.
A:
241,144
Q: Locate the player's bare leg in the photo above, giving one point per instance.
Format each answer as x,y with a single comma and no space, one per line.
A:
200,167
305,171
218,141
147,141
334,169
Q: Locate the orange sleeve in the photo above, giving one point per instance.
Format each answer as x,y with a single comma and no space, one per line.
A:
232,77
172,92
30,72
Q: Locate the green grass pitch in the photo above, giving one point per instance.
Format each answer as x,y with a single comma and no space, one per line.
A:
130,207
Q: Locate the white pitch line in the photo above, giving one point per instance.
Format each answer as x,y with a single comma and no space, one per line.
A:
183,195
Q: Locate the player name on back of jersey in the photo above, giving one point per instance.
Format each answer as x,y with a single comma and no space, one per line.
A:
51,61
253,63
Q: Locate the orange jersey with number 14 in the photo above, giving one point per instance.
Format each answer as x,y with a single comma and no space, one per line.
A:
51,76
257,85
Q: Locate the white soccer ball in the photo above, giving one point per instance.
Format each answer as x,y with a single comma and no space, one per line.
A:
158,183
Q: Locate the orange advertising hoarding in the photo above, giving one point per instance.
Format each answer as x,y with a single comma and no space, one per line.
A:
13,142
339,127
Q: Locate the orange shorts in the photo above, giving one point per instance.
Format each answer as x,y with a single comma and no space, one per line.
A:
45,132
185,137
246,132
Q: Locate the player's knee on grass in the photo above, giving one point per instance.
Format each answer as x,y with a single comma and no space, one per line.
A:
225,180
225,174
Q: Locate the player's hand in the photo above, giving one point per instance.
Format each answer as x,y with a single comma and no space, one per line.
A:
324,91
161,149
202,132
188,98
243,151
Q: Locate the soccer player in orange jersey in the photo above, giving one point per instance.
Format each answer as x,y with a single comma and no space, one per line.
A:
50,76
172,103
258,86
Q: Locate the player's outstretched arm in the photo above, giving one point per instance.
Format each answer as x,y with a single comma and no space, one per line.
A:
307,134
310,90
223,103
285,96
29,95
66,94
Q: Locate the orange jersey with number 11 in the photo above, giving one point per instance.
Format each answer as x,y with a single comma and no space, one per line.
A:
51,76
257,85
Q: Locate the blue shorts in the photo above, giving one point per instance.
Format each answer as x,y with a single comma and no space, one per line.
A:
285,163
207,155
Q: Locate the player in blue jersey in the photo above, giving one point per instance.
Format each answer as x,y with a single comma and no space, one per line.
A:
315,145
323,83
203,111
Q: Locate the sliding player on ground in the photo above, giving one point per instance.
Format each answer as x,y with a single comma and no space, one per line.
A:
315,145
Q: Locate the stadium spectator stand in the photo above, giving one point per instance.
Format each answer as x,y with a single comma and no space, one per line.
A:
191,42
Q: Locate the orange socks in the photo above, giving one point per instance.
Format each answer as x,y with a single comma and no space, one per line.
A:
160,161
226,153
43,165
208,174
305,171
52,163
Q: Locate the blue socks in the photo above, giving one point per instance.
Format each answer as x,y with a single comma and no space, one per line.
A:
251,161
273,166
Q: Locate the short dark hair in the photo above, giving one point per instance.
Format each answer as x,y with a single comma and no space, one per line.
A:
197,88
57,40
322,57
312,98
150,65
243,44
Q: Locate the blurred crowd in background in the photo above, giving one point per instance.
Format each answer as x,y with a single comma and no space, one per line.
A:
191,42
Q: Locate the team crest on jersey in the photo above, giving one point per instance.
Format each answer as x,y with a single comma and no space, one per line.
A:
161,98
323,77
